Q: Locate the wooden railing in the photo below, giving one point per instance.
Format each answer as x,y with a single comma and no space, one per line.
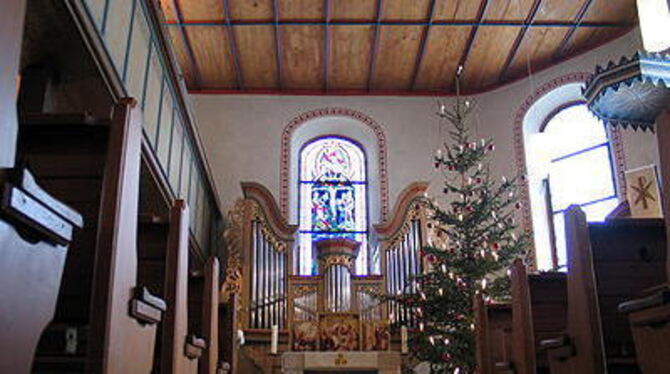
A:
129,47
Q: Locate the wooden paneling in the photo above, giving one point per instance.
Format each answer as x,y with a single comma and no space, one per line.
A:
508,9
181,54
585,39
405,9
212,56
257,54
353,9
493,51
551,10
201,10
398,48
168,10
302,48
456,10
250,9
301,9
487,56
611,11
538,46
443,50
350,56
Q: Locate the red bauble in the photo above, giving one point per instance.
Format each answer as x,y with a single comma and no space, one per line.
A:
468,209
495,246
518,205
446,356
431,258
451,168
478,180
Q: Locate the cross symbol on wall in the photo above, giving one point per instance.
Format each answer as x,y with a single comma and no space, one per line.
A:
643,193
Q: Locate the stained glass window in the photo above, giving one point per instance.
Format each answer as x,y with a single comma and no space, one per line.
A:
333,192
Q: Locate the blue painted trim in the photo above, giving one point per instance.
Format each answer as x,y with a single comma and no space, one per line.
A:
128,41
588,203
160,113
334,182
569,155
103,26
146,74
331,232
169,158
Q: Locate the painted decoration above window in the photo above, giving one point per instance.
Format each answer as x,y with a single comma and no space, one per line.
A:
333,190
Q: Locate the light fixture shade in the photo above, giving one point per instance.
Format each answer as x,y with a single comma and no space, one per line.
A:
654,18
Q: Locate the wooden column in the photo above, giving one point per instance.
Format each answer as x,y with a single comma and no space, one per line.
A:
210,317
663,136
523,339
175,328
584,325
119,343
482,338
11,29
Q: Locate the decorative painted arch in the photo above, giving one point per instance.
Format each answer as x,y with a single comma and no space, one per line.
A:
519,146
306,117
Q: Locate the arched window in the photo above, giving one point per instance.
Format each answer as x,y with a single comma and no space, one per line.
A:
333,198
579,171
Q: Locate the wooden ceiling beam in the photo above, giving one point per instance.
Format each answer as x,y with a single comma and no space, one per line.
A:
187,44
391,22
422,46
568,36
375,44
326,43
278,49
473,34
232,46
519,38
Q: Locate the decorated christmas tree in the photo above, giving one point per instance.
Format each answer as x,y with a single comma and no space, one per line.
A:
474,241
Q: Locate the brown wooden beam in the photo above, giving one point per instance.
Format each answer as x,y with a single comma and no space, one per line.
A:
232,46
278,50
422,45
375,44
326,43
473,33
519,38
399,22
568,36
187,44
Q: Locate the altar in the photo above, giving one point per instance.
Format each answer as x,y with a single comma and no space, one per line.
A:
384,362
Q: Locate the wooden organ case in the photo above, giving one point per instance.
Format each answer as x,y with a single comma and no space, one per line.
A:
279,315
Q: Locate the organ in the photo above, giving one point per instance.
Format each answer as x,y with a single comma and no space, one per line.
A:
335,309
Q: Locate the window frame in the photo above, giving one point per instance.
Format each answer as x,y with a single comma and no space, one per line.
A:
365,182
550,210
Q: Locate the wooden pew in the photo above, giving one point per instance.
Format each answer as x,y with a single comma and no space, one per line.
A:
35,232
180,350
109,318
650,324
509,334
210,318
607,264
493,337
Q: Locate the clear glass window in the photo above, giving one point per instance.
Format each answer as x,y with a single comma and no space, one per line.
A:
580,171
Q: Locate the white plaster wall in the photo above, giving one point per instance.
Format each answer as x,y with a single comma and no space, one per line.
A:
242,133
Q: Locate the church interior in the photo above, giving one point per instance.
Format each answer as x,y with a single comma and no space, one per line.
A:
335,186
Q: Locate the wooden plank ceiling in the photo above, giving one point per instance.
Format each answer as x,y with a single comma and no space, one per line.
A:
381,46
